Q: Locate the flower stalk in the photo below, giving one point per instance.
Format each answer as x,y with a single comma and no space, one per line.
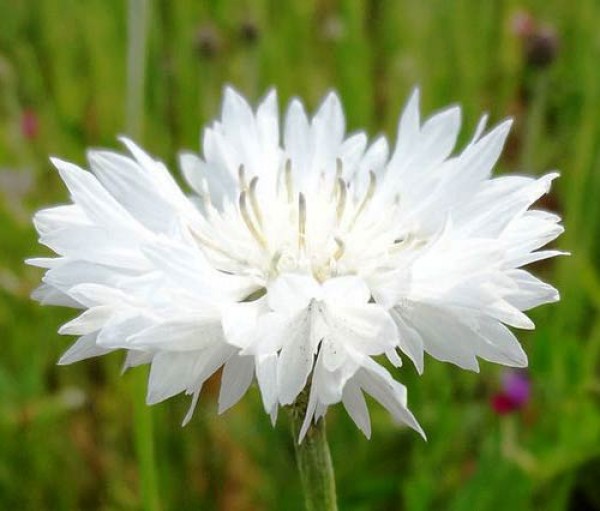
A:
314,460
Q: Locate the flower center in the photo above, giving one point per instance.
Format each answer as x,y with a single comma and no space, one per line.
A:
324,228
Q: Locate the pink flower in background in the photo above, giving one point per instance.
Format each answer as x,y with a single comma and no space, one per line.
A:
30,125
541,41
515,393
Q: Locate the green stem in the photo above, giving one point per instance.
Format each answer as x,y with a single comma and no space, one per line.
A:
143,432
314,460
138,13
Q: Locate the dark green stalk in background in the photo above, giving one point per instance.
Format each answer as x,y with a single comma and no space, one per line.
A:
142,418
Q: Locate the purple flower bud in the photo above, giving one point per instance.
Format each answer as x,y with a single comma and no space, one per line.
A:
515,392
517,387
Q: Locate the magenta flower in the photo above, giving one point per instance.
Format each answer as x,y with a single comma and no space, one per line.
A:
29,124
515,393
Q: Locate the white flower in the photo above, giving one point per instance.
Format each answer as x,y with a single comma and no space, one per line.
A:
302,254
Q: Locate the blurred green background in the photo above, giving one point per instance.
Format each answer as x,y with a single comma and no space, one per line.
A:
68,436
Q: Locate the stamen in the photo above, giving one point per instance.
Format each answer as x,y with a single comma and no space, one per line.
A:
275,261
288,180
338,177
204,187
368,196
341,247
322,178
254,201
248,221
408,241
212,246
339,167
255,295
301,221
242,177
207,204
205,196
341,204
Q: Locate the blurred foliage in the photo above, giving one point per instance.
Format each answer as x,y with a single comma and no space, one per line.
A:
67,436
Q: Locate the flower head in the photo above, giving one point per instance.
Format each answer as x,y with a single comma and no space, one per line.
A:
302,254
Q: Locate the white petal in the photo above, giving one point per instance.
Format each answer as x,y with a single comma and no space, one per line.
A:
329,379
49,295
376,381
376,155
292,292
351,152
133,187
393,357
210,361
503,347
536,256
236,111
237,377
44,262
52,219
187,266
266,375
333,354
72,272
240,322
91,294
95,244
409,340
355,405
267,120
170,374
136,358
117,332
161,177
194,402
477,161
479,129
85,347
90,321
93,199
408,129
328,124
309,416
296,358
444,336
505,312
531,292
436,139
179,335
368,329
192,167
201,175
348,290
296,142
